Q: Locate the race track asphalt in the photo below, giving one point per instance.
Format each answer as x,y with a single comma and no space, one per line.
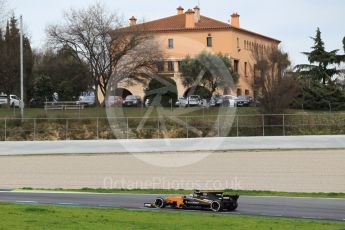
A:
306,208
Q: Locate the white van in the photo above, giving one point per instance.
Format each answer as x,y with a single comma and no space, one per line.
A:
87,98
14,100
3,99
193,100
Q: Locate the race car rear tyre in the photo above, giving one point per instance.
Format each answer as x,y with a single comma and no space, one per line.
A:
233,206
216,206
159,203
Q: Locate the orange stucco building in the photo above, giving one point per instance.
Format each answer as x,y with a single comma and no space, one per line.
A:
190,33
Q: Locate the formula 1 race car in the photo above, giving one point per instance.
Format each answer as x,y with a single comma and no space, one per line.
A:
205,200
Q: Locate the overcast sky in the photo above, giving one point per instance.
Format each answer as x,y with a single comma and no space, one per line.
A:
292,22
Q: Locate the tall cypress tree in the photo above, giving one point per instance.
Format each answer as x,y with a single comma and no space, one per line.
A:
10,72
320,61
321,91
10,60
2,55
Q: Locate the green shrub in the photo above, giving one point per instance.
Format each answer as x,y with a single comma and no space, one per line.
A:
162,91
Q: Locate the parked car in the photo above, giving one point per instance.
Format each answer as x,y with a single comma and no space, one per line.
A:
87,98
181,101
3,99
242,101
36,103
193,100
229,101
114,101
132,101
204,103
216,100
14,100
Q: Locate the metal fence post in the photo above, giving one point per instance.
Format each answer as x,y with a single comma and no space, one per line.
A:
284,125
5,129
187,129
263,125
237,125
158,128
34,129
66,129
97,128
127,132
218,126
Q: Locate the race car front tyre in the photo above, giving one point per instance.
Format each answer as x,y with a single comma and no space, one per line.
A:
159,203
216,206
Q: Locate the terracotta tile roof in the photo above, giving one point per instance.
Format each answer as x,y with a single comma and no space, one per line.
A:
177,23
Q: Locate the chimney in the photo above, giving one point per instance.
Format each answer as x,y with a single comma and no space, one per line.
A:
190,23
197,14
132,21
235,20
180,10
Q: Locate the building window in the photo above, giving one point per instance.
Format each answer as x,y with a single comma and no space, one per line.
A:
245,69
239,92
209,41
160,66
238,43
236,63
246,92
170,43
171,66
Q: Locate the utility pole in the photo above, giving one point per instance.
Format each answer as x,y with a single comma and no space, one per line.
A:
21,70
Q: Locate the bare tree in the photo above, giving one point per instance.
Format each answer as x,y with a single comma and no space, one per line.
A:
278,86
98,38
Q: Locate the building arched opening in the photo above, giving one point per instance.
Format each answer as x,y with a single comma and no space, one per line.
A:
121,92
203,92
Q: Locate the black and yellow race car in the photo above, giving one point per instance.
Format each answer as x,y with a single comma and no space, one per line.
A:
206,200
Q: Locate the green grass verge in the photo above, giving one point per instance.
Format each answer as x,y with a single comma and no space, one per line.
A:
181,191
16,216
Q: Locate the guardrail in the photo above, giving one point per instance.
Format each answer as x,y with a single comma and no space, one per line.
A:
14,129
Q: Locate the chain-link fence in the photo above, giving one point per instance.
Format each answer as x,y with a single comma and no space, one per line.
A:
14,129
